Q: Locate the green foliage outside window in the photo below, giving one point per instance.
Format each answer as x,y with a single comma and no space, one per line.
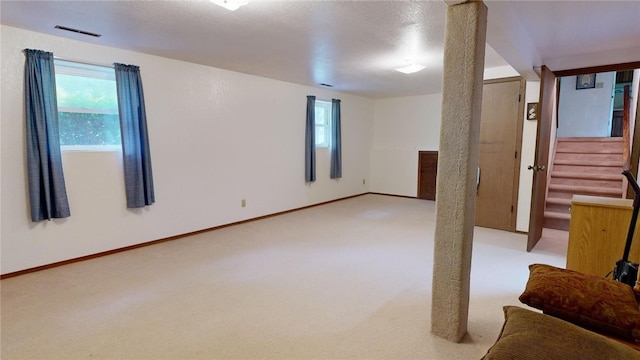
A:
88,129
87,110
86,93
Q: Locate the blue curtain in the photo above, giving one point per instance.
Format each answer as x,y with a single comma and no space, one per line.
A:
336,142
310,141
47,192
138,177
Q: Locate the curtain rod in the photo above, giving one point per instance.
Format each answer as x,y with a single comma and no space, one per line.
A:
82,62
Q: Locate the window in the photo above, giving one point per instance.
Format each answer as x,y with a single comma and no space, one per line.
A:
87,107
323,119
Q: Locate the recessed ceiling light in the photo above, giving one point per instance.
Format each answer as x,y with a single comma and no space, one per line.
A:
410,69
230,4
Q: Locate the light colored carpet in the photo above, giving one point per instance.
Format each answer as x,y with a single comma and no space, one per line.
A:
345,280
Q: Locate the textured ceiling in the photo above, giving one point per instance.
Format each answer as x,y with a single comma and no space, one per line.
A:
352,45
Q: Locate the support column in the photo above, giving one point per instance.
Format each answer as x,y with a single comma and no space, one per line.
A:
465,35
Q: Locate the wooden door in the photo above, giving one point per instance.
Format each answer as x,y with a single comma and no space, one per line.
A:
499,154
427,171
539,193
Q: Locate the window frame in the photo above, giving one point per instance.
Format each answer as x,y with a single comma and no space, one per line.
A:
85,70
324,126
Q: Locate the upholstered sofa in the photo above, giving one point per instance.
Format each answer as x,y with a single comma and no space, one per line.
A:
583,317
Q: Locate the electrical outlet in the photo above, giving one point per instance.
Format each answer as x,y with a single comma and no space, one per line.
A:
243,203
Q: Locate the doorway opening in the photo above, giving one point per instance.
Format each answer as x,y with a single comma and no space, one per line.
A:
552,120
593,104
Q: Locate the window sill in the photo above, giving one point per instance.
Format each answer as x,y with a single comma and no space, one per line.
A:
91,148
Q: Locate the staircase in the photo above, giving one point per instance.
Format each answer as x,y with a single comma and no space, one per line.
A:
584,166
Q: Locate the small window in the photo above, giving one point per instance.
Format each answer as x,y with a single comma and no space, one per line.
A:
87,107
323,119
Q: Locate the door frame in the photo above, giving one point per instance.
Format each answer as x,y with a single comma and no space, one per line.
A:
634,159
546,107
518,145
536,218
422,153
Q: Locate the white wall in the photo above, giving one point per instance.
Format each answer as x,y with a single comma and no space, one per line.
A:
586,112
216,137
210,150
403,126
499,72
527,157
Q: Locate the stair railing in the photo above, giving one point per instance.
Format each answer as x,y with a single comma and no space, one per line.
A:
626,133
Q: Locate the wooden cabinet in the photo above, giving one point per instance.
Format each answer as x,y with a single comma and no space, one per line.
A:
598,233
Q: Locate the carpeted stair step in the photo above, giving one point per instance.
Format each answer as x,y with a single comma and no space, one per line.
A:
556,220
590,145
556,215
590,140
559,201
558,204
611,180
584,166
578,162
586,176
588,151
586,190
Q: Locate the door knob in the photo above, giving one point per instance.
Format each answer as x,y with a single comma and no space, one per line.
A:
536,167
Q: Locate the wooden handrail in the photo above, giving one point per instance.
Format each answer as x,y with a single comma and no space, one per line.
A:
626,147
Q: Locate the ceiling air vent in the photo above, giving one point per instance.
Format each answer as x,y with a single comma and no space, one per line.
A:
77,31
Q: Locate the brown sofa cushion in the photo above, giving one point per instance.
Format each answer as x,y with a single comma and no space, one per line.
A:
589,301
528,335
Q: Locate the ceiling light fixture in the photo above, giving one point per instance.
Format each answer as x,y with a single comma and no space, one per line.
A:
230,4
410,69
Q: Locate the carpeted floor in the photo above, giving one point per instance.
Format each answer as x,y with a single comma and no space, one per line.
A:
345,280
